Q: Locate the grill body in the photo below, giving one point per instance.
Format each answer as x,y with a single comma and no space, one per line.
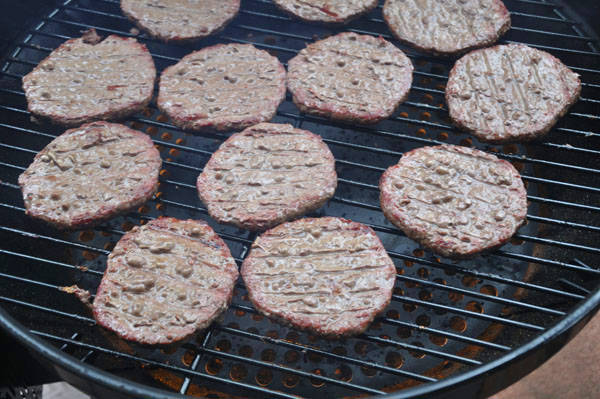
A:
468,327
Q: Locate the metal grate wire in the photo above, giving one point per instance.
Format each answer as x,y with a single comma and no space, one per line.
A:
514,288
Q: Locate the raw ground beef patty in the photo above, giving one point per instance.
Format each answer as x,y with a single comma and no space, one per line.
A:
350,78
327,11
510,93
223,87
456,201
328,275
267,174
90,174
90,79
180,20
164,281
447,27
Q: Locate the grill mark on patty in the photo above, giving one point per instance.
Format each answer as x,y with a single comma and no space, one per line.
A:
494,88
180,22
489,203
47,86
56,186
319,281
446,27
515,83
142,303
213,106
526,90
264,174
328,11
350,74
323,254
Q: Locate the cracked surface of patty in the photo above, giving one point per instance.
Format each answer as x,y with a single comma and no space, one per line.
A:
327,275
350,77
90,174
88,79
327,11
510,93
447,27
267,174
223,87
454,200
164,281
180,20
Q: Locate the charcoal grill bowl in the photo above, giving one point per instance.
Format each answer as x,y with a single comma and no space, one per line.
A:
479,382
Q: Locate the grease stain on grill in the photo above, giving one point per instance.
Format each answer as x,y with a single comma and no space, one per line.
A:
368,371
404,332
394,359
489,290
417,354
423,273
267,355
126,226
423,320
291,356
361,348
317,383
238,372
292,336
264,377
87,235
467,142
343,372
473,306
290,380
314,357
257,317
214,366
425,295
246,351
340,350
272,334
188,358
90,255
223,345
392,314
438,339
409,307
470,281
458,324
455,296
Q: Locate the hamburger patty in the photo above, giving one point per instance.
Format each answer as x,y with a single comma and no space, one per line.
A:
164,281
447,27
223,87
180,20
90,79
328,275
454,200
90,174
327,11
350,77
267,174
510,93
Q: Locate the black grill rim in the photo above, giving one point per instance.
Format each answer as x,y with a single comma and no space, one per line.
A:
522,357
471,381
